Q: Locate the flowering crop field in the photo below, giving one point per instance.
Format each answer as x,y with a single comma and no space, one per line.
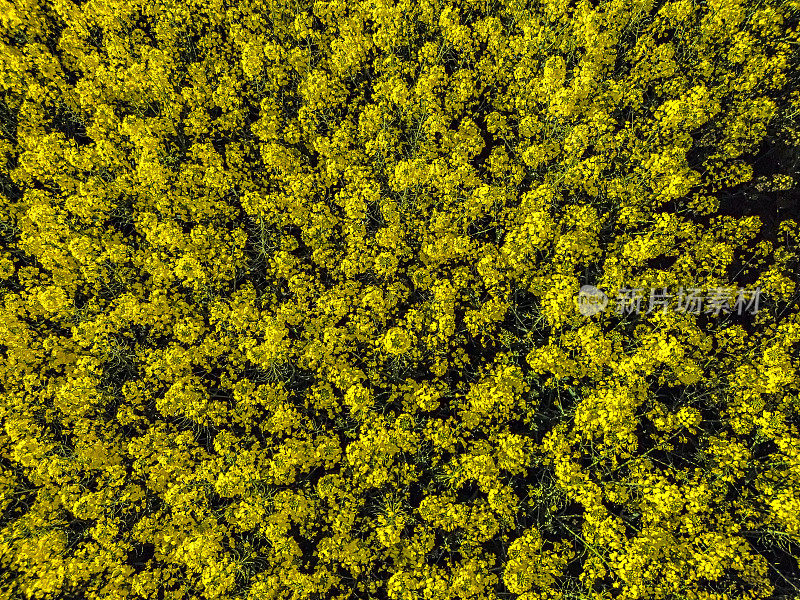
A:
412,300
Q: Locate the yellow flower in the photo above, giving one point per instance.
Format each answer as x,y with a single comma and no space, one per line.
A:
397,341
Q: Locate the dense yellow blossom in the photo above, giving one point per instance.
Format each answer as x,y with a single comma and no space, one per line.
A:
289,300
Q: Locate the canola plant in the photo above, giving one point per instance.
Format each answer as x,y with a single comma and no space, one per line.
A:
290,300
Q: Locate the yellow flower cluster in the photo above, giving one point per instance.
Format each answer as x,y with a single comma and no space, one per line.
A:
288,300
